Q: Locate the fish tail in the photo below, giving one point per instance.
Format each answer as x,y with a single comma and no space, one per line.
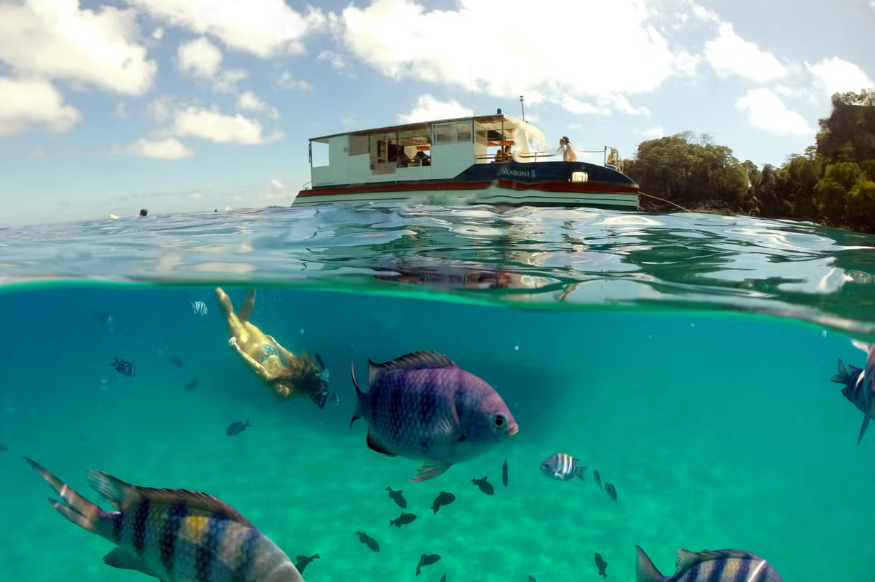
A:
357,413
645,571
842,376
248,424
579,471
77,509
866,418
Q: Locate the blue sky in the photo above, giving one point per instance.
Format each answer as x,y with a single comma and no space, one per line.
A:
190,105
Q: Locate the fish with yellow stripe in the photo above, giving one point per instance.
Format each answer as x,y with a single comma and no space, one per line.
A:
175,535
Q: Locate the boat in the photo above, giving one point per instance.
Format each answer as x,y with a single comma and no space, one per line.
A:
460,160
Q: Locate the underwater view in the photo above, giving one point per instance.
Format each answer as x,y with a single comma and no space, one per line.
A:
391,392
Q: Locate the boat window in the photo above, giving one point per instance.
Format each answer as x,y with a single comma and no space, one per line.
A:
445,133
464,132
319,153
358,145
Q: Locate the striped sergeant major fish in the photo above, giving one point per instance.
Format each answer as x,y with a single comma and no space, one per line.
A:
562,467
710,566
853,386
175,535
199,307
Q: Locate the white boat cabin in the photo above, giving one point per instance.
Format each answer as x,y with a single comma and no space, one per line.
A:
433,150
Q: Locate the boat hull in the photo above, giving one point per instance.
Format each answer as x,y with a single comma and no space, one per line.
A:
505,192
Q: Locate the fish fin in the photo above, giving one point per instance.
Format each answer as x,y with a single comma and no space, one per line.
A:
126,560
860,345
77,509
866,418
579,471
687,559
842,376
430,470
855,369
645,571
374,445
357,413
124,495
411,361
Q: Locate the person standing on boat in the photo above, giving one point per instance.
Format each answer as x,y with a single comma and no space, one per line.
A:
568,154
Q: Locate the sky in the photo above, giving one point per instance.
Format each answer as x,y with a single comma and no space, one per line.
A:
109,106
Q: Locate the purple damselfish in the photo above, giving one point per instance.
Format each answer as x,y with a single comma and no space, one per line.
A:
423,406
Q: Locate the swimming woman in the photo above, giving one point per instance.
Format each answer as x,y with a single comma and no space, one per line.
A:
288,375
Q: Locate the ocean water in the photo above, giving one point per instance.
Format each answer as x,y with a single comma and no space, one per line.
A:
685,357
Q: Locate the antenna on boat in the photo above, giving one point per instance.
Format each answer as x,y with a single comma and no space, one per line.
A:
523,106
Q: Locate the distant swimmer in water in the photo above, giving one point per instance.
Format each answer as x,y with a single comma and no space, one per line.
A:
288,375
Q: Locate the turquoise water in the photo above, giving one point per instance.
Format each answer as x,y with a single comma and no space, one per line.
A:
687,358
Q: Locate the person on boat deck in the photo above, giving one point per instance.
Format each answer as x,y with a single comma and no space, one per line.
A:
503,155
288,375
568,154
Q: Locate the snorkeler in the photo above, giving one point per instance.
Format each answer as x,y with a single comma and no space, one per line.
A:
288,375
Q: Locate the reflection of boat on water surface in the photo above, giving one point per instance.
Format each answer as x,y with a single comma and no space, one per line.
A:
460,161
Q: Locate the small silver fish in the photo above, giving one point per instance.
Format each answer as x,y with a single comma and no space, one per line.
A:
710,566
423,406
175,535
562,467
199,308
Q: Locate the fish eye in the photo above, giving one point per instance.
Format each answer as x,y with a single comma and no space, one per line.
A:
500,421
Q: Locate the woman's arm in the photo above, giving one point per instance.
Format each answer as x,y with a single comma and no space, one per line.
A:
256,367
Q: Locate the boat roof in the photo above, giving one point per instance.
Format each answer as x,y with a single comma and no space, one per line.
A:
495,118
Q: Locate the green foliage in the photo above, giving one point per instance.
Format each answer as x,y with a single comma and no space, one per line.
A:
833,182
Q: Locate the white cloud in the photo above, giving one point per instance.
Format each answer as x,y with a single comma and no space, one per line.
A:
730,54
428,108
262,27
651,132
38,154
32,102
530,64
164,149
214,126
158,33
57,40
604,105
203,60
766,111
336,60
249,101
161,109
837,75
705,14
287,81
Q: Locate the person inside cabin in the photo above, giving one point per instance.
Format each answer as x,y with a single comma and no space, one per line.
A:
422,158
508,154
568,154
501,155
401,158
